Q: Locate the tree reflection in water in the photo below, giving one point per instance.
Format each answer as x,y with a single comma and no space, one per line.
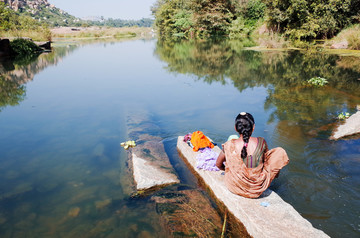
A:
15,73
283,73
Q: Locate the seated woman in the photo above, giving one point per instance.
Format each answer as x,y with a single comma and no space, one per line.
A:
249,166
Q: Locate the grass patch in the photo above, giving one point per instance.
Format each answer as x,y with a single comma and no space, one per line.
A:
101,32
269,39
351,35
35,35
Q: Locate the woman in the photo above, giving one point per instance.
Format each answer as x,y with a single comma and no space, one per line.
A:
249,166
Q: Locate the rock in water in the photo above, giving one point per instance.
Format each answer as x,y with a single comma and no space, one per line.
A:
350,127
74,212
151,165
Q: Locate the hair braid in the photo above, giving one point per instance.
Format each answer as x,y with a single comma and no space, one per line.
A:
244,124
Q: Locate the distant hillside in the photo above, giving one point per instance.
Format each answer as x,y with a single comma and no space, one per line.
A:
45,12
42,11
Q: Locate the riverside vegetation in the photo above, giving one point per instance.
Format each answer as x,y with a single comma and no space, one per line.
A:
265,23
298,22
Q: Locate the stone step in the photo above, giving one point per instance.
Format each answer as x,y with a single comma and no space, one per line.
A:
277,219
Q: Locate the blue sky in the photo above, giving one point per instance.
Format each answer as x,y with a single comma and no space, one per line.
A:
122,9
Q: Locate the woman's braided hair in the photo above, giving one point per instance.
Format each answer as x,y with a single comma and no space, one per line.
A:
244,124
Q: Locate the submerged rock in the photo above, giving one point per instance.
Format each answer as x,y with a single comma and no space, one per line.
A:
74,212
151,165
102,204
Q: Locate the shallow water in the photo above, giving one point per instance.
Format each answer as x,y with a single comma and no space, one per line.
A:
62,118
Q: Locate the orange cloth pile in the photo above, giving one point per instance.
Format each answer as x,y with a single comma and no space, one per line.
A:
199,140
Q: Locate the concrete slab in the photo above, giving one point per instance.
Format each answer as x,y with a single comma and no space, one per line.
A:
278,219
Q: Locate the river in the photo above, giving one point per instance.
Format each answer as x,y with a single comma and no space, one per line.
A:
63,117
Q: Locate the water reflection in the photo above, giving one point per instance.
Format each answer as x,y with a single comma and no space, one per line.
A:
11,93
63,173
283,73
322,178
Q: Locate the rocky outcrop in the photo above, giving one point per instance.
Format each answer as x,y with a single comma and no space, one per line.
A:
32,4
350,127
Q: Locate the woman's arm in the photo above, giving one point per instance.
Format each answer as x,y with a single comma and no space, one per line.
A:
220,161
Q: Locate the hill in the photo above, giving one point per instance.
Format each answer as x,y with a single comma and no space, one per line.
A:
42,11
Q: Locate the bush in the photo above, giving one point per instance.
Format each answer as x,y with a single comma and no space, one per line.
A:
238,29
317,81
353,38
255,9
23,47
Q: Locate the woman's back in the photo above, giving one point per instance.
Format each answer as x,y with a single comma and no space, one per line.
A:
256,149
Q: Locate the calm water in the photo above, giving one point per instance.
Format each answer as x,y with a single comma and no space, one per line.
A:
62,118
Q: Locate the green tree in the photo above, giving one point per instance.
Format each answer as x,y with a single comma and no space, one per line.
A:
8,18
200,18
309,19
213,17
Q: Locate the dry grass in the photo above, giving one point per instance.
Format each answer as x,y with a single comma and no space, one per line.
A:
267,38
351,35
100,32
40,35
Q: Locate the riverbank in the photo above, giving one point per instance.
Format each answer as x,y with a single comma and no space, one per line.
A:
101,32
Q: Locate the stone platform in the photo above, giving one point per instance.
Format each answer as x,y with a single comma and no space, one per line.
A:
278,219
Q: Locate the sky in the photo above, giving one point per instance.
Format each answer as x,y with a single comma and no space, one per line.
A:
117,9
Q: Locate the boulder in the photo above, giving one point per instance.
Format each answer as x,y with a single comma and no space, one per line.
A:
44,45
5,49
340,45
350,127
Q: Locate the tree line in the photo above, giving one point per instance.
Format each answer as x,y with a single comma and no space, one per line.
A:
296,19
144,22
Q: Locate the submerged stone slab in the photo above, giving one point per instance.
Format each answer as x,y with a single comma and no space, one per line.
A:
350,127
148,175
268,216
150,163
